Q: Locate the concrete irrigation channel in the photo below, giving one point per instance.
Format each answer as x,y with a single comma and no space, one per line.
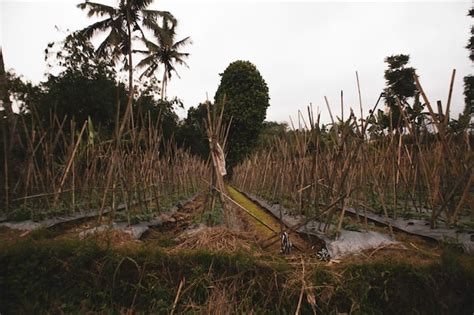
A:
269,226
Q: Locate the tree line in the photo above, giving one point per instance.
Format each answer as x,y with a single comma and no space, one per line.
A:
88,86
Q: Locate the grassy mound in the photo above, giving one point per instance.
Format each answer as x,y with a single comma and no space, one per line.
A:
54,276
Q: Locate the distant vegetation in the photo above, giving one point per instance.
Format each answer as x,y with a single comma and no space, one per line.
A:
469,80
85,88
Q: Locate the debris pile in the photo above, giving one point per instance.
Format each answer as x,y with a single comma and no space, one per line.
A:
217,238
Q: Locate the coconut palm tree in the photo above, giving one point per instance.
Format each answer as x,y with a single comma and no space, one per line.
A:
120,23
165,52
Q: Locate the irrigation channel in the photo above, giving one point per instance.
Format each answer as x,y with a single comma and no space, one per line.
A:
268,225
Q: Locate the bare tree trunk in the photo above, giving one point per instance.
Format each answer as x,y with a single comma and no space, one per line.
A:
163,85
128,108
7,126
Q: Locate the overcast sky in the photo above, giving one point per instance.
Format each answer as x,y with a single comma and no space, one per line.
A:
304,50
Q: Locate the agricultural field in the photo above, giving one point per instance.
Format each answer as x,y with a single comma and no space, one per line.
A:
111,202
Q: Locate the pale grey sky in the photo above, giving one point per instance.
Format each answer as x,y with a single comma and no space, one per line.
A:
304,50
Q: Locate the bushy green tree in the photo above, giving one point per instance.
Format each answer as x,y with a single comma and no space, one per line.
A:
80,95
85,86
245,94
400,87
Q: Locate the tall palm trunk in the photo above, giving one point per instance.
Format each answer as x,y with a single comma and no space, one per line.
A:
128,109
163,85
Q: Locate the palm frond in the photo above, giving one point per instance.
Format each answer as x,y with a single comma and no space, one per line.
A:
147,61
155,15
137,5
150,70
150,23
164,36
183,42
179,59
89,32
139,51
150,45
97,9
112,41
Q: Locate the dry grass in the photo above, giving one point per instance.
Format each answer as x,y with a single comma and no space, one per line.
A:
218,239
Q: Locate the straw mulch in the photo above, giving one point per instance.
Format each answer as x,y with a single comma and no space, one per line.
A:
218,239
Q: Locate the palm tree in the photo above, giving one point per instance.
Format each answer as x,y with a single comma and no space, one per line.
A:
165,51
120,23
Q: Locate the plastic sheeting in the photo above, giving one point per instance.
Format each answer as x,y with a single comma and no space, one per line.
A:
348,242
423,228
221,160
416,227
352,242
136,230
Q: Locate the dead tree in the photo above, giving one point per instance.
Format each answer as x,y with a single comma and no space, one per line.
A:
217,134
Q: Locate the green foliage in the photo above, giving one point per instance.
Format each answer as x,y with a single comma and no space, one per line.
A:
399,78
49,276
85,87
21,213
245,94
470,44
76,52
351,225
22,92
192,133
35,211
158,111
469,95
400,87
270,131
80,95
212,217
469,79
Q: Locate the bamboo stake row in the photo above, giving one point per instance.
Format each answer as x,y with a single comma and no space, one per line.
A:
75,170
424,171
